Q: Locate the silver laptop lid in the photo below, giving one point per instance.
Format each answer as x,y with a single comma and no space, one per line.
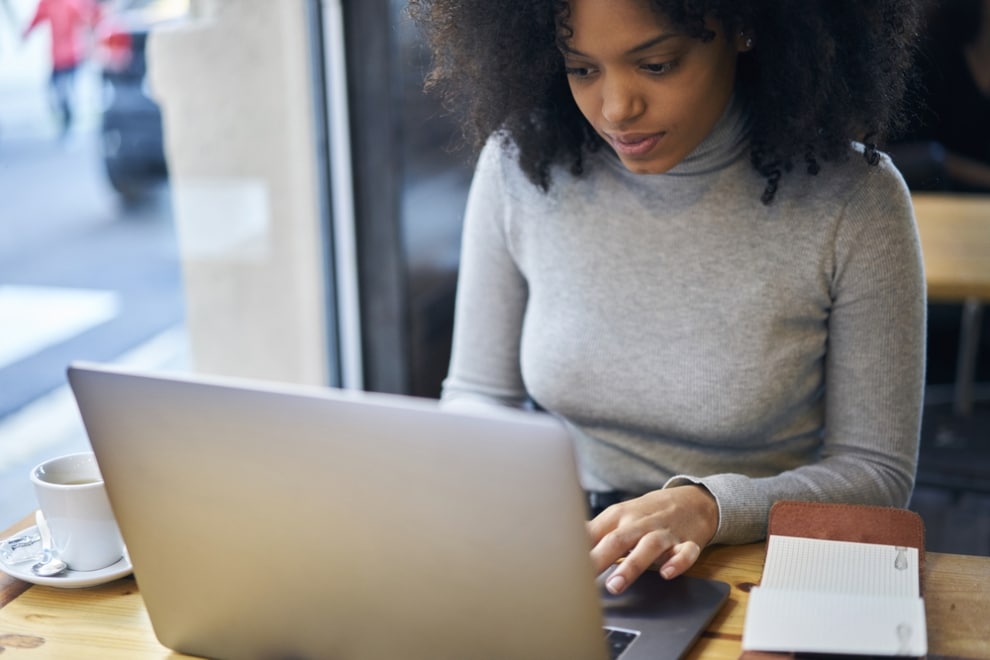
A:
269,520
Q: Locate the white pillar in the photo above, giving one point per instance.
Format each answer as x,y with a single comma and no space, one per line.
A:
234,84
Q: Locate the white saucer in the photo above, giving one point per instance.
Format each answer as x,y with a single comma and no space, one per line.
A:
69,579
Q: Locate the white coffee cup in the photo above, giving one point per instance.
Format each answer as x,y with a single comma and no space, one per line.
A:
72,496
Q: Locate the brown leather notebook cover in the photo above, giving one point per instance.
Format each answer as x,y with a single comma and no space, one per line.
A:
859,523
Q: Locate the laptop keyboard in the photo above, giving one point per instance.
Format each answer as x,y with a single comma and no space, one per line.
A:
618,640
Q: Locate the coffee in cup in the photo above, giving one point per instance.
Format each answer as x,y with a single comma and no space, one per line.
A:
72,496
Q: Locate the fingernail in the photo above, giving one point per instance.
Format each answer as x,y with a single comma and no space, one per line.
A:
615,584
667,572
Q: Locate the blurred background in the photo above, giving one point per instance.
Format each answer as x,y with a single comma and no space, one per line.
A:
262,189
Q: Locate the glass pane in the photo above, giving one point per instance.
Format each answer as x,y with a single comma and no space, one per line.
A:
435,181
89,266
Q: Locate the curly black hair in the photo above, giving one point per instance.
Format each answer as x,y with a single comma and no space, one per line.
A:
822,73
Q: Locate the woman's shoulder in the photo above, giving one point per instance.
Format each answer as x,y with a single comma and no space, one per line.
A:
866,166
500,160
858,178
879,182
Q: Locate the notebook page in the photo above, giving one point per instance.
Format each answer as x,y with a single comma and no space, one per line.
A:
823,566
805,622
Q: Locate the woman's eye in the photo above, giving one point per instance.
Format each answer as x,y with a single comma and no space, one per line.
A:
577,71
660,68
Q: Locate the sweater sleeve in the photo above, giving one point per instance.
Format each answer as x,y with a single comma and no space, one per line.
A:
491,297
874,371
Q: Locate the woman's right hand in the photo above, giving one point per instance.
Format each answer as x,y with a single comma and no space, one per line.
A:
667,527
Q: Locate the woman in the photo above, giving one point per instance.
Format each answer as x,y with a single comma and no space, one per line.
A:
673,244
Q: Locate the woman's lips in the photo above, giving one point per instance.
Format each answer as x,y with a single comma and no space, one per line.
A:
634,144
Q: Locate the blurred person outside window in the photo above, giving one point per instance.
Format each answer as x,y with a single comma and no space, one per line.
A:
70,22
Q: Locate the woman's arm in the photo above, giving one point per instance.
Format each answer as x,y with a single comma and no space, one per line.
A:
874,369
491,298
874,378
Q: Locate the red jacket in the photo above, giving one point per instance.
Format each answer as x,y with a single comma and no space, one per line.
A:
68,20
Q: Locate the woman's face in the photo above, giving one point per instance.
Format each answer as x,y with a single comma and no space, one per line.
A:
651,93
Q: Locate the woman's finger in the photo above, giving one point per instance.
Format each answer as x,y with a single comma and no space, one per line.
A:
650,548
613,546
682,558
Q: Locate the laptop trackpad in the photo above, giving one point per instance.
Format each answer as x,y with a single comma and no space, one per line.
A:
668,615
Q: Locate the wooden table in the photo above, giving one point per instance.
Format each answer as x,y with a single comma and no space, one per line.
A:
955,243
110,621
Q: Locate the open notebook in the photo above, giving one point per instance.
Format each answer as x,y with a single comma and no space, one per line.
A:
820,596
839,579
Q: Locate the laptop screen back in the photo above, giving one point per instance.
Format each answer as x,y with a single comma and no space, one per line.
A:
265,520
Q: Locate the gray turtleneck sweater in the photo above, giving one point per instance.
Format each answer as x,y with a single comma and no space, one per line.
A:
686,332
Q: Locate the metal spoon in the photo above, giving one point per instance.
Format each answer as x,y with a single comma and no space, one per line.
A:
50,565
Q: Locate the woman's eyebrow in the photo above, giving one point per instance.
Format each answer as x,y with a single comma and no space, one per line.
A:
649,43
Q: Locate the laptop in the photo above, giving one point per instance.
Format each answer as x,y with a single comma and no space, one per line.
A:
266,520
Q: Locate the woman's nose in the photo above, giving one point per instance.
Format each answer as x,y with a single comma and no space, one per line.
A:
621,101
